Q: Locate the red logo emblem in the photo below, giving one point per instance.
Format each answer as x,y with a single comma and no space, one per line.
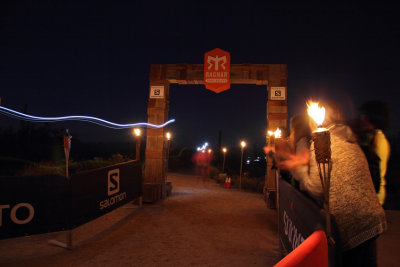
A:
217,70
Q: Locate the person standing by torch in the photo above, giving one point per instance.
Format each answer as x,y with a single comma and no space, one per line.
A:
351,194
374,121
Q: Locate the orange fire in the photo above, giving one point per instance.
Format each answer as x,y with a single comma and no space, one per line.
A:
316,112
276,134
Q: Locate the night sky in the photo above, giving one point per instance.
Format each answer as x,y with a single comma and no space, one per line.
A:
93,58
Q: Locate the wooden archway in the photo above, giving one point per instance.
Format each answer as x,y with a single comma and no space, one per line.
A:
162,75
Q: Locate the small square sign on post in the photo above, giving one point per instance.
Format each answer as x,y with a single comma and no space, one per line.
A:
278,93
157,91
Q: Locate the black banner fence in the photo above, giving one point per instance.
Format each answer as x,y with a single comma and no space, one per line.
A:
40,204
299,217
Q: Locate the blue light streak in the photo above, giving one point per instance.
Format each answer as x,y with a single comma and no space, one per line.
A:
26,117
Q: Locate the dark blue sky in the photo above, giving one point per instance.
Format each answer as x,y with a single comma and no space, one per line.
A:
93,58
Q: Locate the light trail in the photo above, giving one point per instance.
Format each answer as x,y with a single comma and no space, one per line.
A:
98,121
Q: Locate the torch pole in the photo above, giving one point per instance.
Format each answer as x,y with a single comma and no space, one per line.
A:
322,145
66,168
68,244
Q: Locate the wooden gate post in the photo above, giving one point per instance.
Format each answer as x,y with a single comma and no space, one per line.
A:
277,116
157,111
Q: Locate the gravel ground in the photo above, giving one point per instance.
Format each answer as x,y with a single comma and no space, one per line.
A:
201,224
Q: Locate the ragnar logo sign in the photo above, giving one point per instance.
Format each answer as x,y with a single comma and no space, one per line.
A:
113,188
217,70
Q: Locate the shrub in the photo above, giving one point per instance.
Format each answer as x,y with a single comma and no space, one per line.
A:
43,168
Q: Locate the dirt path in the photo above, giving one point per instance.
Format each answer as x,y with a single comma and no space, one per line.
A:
201,224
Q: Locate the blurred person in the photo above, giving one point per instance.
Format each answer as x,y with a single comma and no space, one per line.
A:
197,160
365,140
202,160
352,198
374,119
300,135
298,143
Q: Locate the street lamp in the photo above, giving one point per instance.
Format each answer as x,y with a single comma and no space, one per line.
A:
137,132
242,145
168,136
224,150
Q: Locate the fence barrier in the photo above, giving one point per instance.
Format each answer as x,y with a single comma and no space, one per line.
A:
41,204
299,218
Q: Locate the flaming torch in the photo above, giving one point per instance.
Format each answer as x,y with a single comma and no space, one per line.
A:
322,146
275,137
278,133
272,136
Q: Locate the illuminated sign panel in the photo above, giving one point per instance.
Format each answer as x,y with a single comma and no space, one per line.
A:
157,92
278,93
217,70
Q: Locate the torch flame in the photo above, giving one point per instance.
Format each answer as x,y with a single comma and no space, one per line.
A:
278,133
316,112
270,133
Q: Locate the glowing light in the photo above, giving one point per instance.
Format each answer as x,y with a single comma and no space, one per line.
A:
98,121
137,132
315,112
203,147
224,150
209,150
243,144
168,136
278,133
270,133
